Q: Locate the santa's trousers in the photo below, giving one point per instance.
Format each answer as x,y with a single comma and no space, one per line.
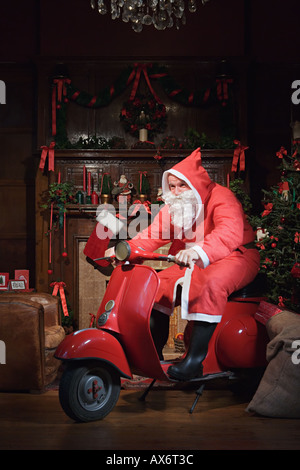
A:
205,291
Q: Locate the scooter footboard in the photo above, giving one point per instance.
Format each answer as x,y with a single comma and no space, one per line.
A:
92,343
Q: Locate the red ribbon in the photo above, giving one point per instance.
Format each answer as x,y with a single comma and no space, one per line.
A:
50,152
50,234
141,178
59,286
222,89
268,209
59,90
239,154
139,69
138,205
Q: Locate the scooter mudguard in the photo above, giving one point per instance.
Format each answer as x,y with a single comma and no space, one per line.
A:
92,343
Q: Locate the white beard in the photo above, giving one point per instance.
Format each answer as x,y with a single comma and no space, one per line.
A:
182,208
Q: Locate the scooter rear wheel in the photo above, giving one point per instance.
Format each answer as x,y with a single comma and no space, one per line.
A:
89,392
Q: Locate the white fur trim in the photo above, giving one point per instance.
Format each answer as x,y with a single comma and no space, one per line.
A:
202,255
185,315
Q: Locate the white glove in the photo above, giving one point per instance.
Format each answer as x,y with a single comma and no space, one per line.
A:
187,257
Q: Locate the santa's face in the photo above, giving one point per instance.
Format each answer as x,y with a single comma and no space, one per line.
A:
177,186
181,201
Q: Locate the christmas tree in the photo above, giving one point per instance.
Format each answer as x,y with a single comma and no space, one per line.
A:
279,234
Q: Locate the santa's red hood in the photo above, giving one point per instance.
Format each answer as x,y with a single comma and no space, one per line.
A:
192,172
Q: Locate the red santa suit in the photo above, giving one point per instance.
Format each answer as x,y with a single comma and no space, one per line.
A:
219,235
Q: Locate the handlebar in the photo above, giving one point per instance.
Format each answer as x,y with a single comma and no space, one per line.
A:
126,252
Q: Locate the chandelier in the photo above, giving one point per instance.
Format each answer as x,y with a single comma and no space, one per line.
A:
161,14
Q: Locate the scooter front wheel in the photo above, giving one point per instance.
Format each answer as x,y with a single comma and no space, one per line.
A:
89,392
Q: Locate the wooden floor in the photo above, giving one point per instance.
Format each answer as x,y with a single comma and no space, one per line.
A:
30,421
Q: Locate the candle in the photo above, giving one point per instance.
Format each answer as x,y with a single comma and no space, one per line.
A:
59,177
89,183
94,197
84,178
227,180
143,135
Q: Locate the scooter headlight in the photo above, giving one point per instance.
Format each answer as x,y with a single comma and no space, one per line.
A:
104,316
122,250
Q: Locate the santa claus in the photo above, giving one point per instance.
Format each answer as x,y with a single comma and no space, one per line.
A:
212,240
122,190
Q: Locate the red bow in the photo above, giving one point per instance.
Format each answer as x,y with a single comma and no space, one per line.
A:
138,70
137,203
59,286
268,209
222,89
60,90
50,152
281,152
239,154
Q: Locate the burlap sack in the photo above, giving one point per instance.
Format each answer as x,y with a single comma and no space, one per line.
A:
278,394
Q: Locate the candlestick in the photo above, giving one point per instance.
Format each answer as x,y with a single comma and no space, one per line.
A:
84,178
89,183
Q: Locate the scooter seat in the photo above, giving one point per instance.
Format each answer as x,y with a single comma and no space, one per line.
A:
256,288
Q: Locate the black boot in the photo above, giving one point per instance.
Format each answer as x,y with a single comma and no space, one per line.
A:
159,326
191,366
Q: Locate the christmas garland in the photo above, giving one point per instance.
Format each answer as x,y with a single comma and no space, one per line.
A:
64,91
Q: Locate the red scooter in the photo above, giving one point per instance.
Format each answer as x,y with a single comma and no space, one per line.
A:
121,345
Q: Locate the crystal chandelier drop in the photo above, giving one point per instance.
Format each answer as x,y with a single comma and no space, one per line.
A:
161,14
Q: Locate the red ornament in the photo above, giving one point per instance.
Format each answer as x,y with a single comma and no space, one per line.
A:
50,271
295,272
273,245
179,336
64,254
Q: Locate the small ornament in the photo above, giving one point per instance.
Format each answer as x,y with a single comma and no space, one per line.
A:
94,198
296,165
64,254
122,190
273,245
295,272
79,197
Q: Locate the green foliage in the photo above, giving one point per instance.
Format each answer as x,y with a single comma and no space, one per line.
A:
280,245
194,140
237,186
59,194
105,184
